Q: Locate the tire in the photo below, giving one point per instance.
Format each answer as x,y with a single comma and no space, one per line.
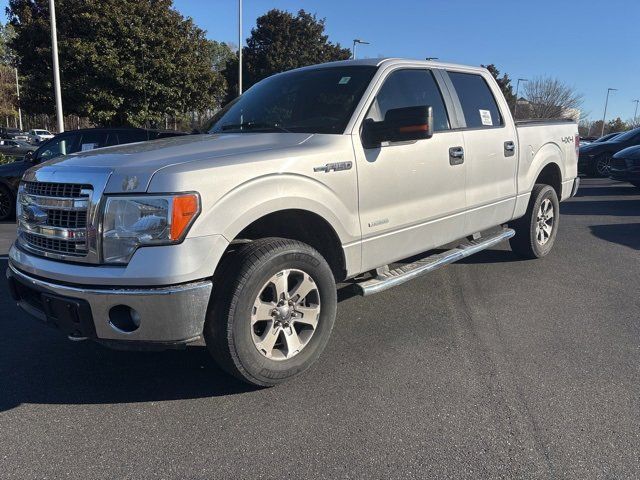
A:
600,166
530,241
7,204
249,331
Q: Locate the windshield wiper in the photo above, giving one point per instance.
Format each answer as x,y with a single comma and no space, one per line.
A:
253,126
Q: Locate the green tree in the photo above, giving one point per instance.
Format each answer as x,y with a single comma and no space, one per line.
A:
505,85
617,125
122,62
282,41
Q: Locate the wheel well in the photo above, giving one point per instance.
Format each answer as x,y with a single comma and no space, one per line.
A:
550,175
304,226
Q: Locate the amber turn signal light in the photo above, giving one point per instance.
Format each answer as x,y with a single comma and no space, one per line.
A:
185,209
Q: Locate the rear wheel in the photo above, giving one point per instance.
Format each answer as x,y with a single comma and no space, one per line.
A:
536,231
274,313
7,206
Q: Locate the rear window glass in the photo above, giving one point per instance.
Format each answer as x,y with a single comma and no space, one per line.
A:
478,103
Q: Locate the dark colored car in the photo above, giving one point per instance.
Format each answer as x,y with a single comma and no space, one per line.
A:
64,144
595,158
13,134
625,166
15,148
606,138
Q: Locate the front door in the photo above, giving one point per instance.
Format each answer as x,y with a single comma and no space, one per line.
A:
411,194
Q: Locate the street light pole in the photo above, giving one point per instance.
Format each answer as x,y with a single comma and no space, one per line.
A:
18,93
635,115
56,67
515,109
606,104
357,41
239,47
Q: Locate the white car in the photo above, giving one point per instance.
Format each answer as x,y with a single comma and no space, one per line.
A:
39,136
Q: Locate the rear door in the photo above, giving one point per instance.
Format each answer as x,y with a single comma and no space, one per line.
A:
490,150
411,194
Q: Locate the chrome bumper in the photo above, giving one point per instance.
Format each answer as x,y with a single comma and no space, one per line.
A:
165,315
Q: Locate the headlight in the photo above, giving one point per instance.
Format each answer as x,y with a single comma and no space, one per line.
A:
133,222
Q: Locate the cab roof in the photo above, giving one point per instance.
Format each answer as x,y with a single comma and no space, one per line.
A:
384,62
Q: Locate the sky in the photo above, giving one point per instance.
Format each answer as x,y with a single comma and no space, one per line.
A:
590,45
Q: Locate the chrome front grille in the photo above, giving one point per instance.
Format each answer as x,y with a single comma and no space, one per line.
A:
59,190
54,245
67,218
53,218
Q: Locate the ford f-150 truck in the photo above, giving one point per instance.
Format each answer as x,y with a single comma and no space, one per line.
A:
322,175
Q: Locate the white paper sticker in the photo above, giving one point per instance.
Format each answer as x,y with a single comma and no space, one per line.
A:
88,146
485,116
344,80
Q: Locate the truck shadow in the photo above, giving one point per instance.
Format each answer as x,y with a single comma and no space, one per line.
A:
626,234
620,208
608,191
39,365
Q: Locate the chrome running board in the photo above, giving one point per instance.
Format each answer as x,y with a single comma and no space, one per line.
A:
404,273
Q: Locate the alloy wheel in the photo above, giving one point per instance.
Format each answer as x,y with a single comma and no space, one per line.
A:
5,204
603,166
544,222
285,314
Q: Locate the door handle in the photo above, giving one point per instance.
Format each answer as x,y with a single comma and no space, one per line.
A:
509,149
456,155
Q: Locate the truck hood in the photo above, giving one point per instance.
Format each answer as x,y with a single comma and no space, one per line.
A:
133,165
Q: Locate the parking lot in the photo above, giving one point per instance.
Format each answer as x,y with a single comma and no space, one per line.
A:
493,367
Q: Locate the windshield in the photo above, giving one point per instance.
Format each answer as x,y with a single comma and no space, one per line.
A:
623,137
318,100
606,138
42,132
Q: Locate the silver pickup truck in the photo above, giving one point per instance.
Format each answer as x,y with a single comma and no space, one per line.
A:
334,173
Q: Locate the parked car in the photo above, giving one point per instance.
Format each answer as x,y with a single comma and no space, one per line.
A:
66,143
15,148
625,166
39,136
13,134
608,137
595,159
338,172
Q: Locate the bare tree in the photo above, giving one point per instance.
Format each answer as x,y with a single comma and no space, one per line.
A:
550,98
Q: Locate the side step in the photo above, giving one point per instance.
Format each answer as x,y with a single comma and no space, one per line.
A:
400,275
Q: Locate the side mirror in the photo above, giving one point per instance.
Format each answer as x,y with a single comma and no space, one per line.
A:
399,125
28,157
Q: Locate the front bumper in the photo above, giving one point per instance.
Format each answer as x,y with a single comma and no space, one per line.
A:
627,175
167,316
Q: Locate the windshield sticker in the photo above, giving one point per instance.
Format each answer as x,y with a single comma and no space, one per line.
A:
485,116
344,80
89,146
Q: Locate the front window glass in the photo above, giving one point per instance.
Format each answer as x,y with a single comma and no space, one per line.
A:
410,88
319,100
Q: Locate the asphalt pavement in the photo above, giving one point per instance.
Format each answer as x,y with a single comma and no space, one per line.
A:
491,368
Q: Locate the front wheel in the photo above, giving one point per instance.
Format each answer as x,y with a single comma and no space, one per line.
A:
274,313
536,231
7,206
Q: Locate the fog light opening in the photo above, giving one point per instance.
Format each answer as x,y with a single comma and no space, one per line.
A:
124,319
